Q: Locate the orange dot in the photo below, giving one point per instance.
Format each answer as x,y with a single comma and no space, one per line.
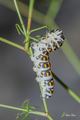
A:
48,65
50,73
47,74
50,83
54,47
50,91
45,65
43,58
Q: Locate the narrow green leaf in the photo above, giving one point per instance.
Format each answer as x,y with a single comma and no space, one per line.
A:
19,29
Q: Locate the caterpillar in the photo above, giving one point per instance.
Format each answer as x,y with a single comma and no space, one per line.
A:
51,42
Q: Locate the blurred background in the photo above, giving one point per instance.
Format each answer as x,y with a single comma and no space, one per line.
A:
17,79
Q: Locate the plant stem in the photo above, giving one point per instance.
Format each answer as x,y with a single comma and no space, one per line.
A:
45,105
74,95
50,118
11,43
25,110
31,4
40,28
19,15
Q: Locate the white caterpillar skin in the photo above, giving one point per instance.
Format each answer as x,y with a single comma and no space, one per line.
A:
51,42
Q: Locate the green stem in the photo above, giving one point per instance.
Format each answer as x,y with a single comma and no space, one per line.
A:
45,105
34,39
11,43
73,94
40,28
50,118
25,110
19,15
31,4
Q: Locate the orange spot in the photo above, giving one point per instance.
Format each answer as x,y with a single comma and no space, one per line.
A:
54,47
45,53
50,83
60,44
48,65
43,58
50,73
47,74
53,83
49,50
45,65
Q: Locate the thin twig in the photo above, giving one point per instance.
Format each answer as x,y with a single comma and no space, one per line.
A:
19,15
25,110
12,43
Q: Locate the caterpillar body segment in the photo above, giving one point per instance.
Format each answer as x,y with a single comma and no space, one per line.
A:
47,93
51,42
43,78
41,66
39,57
47,84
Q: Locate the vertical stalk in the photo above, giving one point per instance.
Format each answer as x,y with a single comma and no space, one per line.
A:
31,4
